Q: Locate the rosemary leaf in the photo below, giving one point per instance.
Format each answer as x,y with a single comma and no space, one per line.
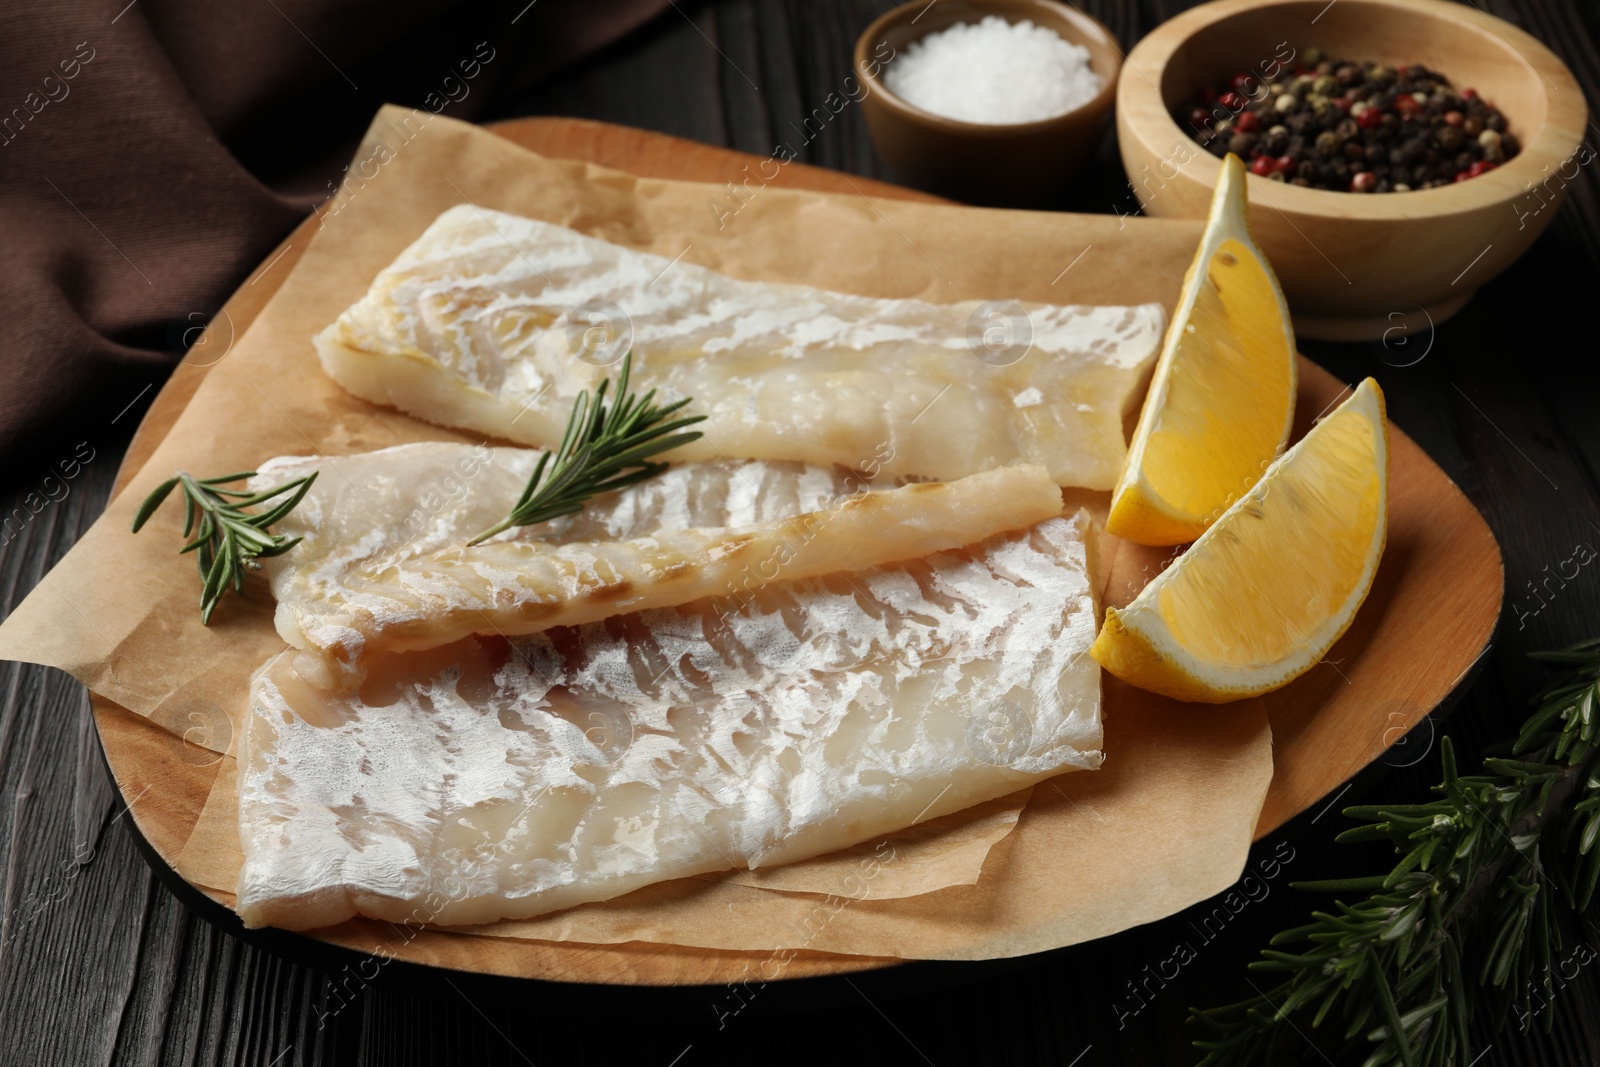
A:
1493,870
603,448
227,540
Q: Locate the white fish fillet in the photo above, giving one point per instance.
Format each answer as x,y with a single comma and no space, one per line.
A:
495,779
476,325
384,562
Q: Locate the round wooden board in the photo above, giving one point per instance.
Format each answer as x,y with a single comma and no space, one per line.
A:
1431,612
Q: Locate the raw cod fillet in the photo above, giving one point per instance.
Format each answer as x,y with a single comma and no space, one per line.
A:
384,562
493,779
483,324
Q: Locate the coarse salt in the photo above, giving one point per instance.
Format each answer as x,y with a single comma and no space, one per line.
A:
994,72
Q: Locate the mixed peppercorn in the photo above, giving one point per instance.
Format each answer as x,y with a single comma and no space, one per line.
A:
1356,127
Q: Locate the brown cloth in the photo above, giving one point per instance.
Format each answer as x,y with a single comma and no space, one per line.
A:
153,153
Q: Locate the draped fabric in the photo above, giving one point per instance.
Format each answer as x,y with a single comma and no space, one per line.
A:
153,153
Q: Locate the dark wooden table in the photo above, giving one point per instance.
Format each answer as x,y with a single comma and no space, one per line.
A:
100,963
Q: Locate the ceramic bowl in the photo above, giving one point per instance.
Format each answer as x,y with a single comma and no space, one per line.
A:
1019,164
1360,266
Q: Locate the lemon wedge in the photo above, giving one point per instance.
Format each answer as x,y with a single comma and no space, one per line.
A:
1267,590
1221,401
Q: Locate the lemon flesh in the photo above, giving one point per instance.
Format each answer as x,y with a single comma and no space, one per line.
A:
1221,401
1266,591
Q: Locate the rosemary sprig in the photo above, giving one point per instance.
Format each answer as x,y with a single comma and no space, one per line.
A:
227,539
603,448
1490,874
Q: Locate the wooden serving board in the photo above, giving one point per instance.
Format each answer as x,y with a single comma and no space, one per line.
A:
1432,609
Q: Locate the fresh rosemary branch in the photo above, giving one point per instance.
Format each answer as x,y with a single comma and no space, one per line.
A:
603,448
229,539
1489,874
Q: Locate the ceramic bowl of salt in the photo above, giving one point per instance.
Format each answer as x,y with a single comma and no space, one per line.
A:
995,102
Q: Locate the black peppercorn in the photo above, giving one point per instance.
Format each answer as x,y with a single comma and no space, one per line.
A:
1342,125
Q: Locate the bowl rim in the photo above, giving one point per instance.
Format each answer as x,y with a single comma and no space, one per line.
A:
1100,102
1558,139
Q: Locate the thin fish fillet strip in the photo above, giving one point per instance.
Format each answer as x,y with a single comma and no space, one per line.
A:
384,562
494,323
493,779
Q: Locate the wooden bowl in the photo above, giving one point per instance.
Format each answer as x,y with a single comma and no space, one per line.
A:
1362,266
1014,164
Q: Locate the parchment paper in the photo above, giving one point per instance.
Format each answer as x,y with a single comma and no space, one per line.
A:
1168,820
